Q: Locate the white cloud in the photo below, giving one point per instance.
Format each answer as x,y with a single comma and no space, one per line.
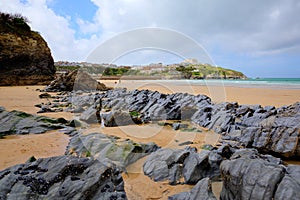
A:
249,27
54,28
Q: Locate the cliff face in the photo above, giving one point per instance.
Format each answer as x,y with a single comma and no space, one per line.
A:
25,58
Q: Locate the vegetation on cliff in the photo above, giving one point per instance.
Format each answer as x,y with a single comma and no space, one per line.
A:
174,71
14,23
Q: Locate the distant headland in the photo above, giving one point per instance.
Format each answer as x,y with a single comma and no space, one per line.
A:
184,70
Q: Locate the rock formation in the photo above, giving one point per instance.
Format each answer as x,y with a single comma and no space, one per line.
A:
175,164
109,149
62,177
25,58
16,122
201,191
268,129
249,175
75,80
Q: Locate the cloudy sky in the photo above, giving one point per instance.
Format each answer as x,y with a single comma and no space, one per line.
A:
259,38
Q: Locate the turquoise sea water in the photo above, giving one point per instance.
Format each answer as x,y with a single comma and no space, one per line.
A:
274,83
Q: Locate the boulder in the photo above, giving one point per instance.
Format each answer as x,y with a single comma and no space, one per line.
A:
17,122
201,191
25,58
62,177
119,118
75,80
289,187
248,176
174,164
109,149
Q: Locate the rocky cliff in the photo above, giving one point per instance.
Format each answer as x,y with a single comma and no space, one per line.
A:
25,58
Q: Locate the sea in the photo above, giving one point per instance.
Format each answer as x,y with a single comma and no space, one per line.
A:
274,83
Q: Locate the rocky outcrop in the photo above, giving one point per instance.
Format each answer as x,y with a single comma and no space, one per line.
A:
201,191
62,177
268,129
25,58
249,175
175,164
17,122
75,80
109,149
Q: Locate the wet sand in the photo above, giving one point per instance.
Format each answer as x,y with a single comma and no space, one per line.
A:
16,149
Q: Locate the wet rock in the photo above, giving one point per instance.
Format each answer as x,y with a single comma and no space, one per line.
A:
16,122
173,164
109,149
201,191
62,177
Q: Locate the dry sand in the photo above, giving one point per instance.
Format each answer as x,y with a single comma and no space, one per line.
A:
263,96
17,149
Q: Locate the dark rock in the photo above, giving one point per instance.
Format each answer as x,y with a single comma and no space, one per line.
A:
201,165
185,143
62,177
118,118
45,109
173,164
201,191
177,126
289,187
165,164
248,176
25,58
109,149
16,122
269,130
45,95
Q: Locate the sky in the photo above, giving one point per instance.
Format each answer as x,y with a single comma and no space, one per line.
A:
259,38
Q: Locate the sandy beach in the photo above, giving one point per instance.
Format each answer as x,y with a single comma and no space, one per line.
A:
243,95
137,185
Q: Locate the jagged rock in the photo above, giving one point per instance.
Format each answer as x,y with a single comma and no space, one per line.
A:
16,122
248,176
109,148
173,164
201,191
267,129
25,58
289,187
89,115
200,165
119,118
62,177
75,80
